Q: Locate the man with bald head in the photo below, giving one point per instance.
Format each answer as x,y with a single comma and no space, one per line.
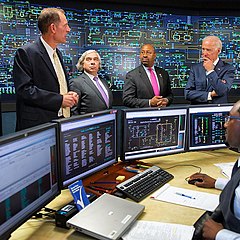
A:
211,79
224,222
147,85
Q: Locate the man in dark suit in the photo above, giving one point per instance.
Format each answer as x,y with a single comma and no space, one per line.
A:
40,96
140,90
224,223
211,80
94,93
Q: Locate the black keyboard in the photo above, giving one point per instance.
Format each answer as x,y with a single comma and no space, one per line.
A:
141,185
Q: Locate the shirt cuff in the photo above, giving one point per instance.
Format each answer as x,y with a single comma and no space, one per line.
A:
227,234
209,98
221,183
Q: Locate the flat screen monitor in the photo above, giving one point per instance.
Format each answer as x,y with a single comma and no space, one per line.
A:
28,175
87,145
153,132
206,126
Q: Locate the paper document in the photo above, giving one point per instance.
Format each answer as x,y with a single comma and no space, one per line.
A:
148,230
226,168
186,197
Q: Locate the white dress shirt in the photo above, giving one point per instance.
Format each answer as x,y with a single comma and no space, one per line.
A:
225,234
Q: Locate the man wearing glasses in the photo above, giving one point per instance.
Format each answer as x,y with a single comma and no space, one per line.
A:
226,223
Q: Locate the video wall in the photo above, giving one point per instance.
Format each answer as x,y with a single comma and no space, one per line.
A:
117,35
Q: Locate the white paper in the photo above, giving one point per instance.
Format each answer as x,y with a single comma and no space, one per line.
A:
149,230
186,197
226,168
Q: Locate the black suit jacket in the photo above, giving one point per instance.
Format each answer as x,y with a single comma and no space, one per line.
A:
90,99
37,88
137,90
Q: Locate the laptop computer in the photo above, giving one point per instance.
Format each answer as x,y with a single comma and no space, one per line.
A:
108,217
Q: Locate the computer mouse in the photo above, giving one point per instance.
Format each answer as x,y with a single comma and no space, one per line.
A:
192,181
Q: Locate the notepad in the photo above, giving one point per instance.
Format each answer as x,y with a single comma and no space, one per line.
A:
186,197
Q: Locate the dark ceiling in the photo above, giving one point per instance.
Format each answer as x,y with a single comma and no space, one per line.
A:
193,7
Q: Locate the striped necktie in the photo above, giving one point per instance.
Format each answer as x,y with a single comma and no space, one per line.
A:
101,90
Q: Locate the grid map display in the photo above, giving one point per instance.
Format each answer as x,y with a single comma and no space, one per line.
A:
117,36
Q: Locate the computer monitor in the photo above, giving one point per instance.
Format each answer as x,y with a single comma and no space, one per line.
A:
152,132
28,174
206,126
87,145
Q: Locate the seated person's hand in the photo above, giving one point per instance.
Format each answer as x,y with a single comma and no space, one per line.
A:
210,229
206,181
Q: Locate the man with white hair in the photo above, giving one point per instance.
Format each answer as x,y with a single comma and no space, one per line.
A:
94,93
211,79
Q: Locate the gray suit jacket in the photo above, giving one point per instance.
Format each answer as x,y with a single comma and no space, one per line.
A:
137,90
90,99
199,85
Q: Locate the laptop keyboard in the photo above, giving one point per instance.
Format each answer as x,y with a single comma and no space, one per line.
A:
141,185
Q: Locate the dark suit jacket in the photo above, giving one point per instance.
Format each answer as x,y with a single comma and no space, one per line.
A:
199,85
90,99
37,88
137,90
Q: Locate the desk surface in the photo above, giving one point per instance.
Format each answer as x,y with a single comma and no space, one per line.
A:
180,165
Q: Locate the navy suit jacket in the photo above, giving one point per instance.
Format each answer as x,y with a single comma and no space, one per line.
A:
199,84
137,90
90,99
38,97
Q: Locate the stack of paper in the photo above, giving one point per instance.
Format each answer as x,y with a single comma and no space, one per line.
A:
186,197
148,230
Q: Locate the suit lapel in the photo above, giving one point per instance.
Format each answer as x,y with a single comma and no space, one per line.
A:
93,86
145,80
160,78
46,58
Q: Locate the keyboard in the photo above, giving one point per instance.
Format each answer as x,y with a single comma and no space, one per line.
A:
141,185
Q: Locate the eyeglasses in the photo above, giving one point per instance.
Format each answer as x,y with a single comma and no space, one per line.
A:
228,118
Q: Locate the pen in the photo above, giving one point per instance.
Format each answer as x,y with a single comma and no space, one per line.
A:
102,182
101,189
129,169
142,166
184,195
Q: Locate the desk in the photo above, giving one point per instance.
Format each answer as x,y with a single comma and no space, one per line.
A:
154,210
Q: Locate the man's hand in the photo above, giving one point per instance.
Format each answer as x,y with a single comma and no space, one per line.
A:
213,94
207,181
208,64
163,102
210,229
158,101
70,99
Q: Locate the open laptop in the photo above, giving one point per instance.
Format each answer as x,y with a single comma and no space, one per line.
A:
108,217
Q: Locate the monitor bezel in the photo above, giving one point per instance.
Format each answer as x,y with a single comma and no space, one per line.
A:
9,138
205,107
62,184
164,153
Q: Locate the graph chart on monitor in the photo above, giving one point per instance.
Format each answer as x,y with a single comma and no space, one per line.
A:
153,132
88,145
206,126
28,174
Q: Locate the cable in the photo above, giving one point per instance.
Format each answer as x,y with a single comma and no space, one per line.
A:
185,165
